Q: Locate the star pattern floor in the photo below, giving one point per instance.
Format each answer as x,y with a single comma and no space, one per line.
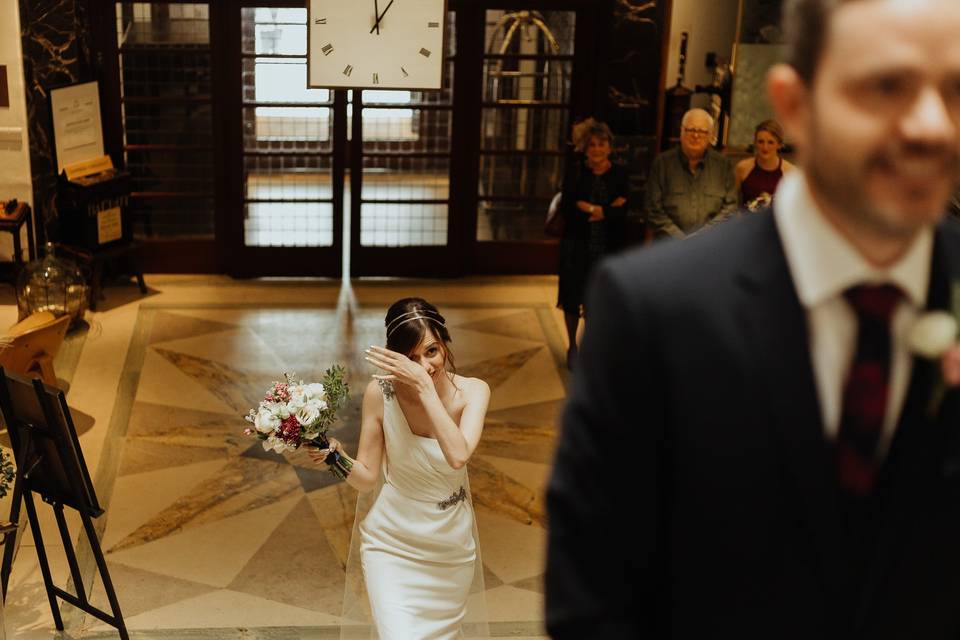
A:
206,527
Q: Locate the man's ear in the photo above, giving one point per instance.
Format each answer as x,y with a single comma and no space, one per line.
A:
790,98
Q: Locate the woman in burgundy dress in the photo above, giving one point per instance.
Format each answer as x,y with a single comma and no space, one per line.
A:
757,177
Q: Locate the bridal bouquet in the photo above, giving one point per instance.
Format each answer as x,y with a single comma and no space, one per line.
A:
294,413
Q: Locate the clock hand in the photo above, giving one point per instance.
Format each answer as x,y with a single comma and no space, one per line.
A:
376,13
380,17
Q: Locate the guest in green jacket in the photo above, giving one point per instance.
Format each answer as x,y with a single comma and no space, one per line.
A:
690,186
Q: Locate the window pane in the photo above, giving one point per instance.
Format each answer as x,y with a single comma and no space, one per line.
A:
279,80
511,221
152,23
288,224
277,177
527,176
169,217
515,129
403,225
278,124
171,170
274,31
168,123
399,178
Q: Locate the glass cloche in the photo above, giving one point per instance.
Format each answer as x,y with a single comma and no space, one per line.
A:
52,284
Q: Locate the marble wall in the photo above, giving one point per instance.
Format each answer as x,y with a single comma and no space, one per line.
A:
54,55
14,153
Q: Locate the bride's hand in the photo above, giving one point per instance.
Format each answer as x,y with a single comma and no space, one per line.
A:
320,455
399,368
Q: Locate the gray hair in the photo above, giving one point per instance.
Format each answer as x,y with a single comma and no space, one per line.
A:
693,112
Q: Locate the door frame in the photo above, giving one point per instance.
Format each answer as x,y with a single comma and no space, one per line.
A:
244,261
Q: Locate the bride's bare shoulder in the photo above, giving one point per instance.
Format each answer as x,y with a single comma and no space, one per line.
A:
473,388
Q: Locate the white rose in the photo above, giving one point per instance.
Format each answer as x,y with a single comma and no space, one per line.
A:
265,420
298,397
308,413
932,334
280,410
315,391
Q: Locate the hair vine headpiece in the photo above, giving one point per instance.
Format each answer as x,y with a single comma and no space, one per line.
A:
416,314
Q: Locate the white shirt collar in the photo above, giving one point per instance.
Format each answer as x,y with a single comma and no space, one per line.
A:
823,264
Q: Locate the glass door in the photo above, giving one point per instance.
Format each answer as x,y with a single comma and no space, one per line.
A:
289,184
164,90
525,118
401,171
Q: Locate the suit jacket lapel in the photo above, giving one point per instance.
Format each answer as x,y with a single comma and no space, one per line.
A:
776,345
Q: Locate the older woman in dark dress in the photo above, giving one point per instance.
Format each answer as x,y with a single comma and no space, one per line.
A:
594,198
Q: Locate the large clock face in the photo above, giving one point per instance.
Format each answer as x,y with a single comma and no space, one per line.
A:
384,44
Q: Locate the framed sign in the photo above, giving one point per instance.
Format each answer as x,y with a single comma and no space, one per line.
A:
376,44
77,130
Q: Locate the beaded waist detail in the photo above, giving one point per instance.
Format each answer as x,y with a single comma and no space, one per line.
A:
459,496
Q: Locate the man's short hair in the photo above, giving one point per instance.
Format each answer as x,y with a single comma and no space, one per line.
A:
805,25
696,111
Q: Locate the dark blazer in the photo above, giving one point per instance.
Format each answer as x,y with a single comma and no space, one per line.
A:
693,494
577,184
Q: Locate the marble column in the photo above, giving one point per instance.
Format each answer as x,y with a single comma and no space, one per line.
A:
54,35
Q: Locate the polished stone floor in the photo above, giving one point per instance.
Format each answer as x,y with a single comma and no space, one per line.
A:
208,536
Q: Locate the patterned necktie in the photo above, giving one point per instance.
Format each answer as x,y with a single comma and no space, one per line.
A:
866,390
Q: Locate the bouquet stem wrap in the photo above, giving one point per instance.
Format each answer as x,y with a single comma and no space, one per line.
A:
338,464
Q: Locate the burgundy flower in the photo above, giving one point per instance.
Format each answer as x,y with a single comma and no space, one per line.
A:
290,430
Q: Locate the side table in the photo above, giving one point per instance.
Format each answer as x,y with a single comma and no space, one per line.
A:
95,259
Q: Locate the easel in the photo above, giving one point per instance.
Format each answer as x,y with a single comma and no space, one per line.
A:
50,464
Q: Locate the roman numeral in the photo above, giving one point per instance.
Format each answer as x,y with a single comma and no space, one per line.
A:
425,53
376,78
433,25
348,70
327,50
404,71
320,21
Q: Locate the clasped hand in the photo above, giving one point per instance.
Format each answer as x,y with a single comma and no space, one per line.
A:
399,368
320,455
596,213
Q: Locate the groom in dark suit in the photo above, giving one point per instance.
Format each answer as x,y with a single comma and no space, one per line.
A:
751,448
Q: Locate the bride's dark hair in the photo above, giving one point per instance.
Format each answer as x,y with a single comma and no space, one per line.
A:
407,322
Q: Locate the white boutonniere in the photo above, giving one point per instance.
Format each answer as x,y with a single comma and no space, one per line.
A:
934,337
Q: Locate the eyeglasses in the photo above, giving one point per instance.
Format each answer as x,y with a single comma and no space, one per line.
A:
695,132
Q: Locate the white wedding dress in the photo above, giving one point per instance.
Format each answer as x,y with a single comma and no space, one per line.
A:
418,544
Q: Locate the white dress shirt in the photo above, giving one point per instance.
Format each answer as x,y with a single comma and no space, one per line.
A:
823,265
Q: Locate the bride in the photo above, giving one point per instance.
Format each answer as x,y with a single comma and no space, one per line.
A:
420,424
